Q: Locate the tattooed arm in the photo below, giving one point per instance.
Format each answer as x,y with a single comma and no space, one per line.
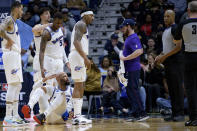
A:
45,38
80,29
7,25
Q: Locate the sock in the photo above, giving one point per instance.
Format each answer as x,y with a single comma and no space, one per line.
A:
77,104
8,111
35,97
18,87
15,109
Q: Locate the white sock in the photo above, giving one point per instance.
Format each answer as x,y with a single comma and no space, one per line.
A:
77,104
35,97
8,111
15,109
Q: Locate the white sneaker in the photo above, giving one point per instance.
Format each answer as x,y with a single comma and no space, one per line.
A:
80,120
11,122
20,120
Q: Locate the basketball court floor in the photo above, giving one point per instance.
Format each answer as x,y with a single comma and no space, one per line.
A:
107,124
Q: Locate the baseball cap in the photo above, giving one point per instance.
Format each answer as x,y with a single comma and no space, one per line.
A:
130,22
64,10
114,36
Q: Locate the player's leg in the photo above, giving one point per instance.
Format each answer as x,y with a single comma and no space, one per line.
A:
53,114
13,71
78,74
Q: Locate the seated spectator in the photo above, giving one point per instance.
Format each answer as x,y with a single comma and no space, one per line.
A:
151,46
110,89
75,7
112,48
54,7
69,21
147,27
106,62
93,80
153,82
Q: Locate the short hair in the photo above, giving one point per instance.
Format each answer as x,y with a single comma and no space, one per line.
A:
42,10
84,10
58,15
16,4
192,6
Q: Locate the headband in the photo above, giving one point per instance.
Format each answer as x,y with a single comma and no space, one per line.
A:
87,13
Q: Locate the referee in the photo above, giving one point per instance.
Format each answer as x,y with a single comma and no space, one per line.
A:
172,60
187,30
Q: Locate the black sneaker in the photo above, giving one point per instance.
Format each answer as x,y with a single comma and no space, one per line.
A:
191,123
179,118
143,118
169,118
40,118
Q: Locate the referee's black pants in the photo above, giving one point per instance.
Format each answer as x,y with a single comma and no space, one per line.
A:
174,76
190,78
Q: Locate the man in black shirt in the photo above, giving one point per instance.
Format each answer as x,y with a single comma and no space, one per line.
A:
187,31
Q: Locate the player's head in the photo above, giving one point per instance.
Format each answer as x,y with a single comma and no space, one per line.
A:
169,17
62,80
57,20
17,9
192,7
45,14
127,25
87,15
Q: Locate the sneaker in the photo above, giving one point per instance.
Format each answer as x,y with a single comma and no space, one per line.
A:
26,110
40,118
11,122
131,119
20,120
143,118
81,120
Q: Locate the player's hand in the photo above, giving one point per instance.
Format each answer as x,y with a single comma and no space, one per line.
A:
68,66
9,44
122,58
43,72
87,63
71,114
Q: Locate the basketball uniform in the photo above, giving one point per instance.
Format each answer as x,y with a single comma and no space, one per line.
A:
12,58
78,69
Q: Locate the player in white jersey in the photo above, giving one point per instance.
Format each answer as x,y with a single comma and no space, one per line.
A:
51,61
78,62
12,63
55,113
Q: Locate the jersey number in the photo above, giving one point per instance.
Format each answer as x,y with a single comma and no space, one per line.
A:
194,29
60,42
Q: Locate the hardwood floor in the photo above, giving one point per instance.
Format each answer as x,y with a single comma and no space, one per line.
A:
107,124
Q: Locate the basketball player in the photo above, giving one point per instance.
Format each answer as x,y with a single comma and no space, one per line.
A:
172,60
187,30
51,62
12,63
54,112
78,62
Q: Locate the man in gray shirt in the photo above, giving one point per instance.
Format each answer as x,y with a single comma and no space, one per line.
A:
171,58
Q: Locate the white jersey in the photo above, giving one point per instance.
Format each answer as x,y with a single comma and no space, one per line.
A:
15,37
84,42
54,47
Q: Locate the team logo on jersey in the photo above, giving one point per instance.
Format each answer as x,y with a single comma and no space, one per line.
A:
14,71
78,68
57,39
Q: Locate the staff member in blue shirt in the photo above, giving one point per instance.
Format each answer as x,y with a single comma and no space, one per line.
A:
131,57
